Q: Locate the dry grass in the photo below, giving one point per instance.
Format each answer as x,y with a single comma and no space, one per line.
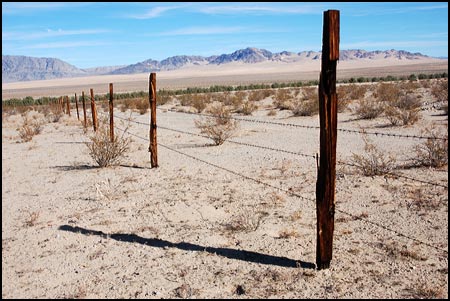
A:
245,222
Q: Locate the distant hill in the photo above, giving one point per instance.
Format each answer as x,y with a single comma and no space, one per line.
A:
23,68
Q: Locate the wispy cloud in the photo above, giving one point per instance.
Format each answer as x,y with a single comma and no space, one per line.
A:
261,9
380,10
216,30
392,44
49,33
155,12
65,45
25,7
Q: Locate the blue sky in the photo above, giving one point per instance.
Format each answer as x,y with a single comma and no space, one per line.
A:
105,34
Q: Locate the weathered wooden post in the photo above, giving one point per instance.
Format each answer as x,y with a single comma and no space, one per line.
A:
68,104
111,114
326,174
84,109
94,111
76,105
153,147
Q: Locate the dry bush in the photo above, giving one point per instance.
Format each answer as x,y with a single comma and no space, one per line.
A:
373,162
162,99
247,108
29,129
32,219
142,105
220,127
305,107
129,104
245,222
433,152
348,93
387,92
256,95
272,113
403,111
104,151
440,90
197,101
409,86
287,233
368,108
283,99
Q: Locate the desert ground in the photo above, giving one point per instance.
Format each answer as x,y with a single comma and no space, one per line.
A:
229,74
226,221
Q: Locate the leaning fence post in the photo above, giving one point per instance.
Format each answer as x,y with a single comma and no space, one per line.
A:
152,99
68,104
76,105
84,109
326,174
111,114
94,111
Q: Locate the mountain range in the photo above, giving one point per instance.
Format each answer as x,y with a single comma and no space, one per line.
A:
24,68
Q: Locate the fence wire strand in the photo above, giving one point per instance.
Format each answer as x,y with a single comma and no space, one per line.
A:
289,192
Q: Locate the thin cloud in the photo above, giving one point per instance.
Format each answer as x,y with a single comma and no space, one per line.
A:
154,12
65,45
25,7
393,44
261,9
215,30
10,36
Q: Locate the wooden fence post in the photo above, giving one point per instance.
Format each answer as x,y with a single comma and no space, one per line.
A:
153,147
68,104
84,109
94,111
326,174
111,114
76,105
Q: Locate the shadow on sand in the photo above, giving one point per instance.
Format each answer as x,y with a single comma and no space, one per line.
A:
243,255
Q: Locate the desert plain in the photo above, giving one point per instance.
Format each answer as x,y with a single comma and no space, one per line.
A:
228,221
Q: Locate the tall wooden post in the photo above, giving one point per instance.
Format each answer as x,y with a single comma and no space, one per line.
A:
153,147
76,105
326,174
84,109
111,113
68,104
94,111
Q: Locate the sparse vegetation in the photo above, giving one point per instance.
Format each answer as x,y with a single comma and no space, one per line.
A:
374,162
433,152
220,127
104,151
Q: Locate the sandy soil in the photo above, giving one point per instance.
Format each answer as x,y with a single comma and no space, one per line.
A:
192,230
229,74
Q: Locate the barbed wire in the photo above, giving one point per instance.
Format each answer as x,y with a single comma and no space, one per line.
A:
289,192
312,127
292,153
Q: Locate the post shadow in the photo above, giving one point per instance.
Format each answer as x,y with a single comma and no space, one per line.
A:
243,255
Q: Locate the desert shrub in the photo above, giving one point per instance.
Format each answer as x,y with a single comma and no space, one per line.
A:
433,152
220,126
387,92
29,129
163,98
305,108
373,162
247,108
283,99
440,91
104,151
142,105
55,113
405,110
369,108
